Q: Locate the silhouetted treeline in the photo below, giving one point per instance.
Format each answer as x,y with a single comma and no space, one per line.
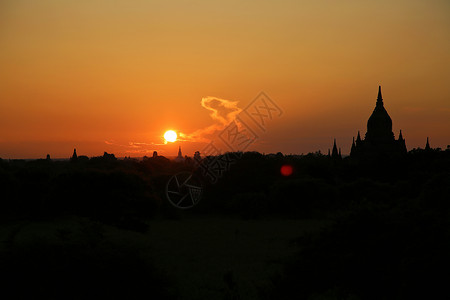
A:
320,185
114,190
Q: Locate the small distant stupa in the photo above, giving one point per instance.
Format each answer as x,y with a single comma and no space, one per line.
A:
74,155
180,157
427,146
335,154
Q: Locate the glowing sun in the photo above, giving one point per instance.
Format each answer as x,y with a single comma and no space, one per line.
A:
170,136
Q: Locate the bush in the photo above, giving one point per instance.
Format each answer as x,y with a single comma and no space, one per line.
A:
372,256
81,269
302,197
250,205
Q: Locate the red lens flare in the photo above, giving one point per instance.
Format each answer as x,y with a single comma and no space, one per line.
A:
286,170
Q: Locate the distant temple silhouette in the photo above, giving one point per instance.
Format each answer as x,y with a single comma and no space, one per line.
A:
180,157
74,155
335,154
379,141
427,146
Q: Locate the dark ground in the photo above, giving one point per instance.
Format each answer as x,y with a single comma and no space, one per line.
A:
334,229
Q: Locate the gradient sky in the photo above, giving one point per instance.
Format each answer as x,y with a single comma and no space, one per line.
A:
99,75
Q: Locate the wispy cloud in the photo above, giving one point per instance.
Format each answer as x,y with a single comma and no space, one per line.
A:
222,111
131,144
135,147
140,151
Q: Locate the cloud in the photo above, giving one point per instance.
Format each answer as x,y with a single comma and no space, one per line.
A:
131,144
135,147
140,151
222,111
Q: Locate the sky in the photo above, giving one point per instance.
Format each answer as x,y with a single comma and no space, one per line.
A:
102,75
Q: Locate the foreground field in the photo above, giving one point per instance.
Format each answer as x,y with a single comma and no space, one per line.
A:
210,257
201,257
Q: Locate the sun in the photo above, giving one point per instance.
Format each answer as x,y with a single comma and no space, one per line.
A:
170,136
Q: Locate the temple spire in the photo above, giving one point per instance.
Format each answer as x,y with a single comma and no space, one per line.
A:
427,146
180,157
74,155
379,98
335,153
353,149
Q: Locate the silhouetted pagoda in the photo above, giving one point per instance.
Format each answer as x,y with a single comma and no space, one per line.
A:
74,156
427,146
180,157
335,154
379,141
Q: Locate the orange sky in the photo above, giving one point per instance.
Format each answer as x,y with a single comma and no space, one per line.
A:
99,75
